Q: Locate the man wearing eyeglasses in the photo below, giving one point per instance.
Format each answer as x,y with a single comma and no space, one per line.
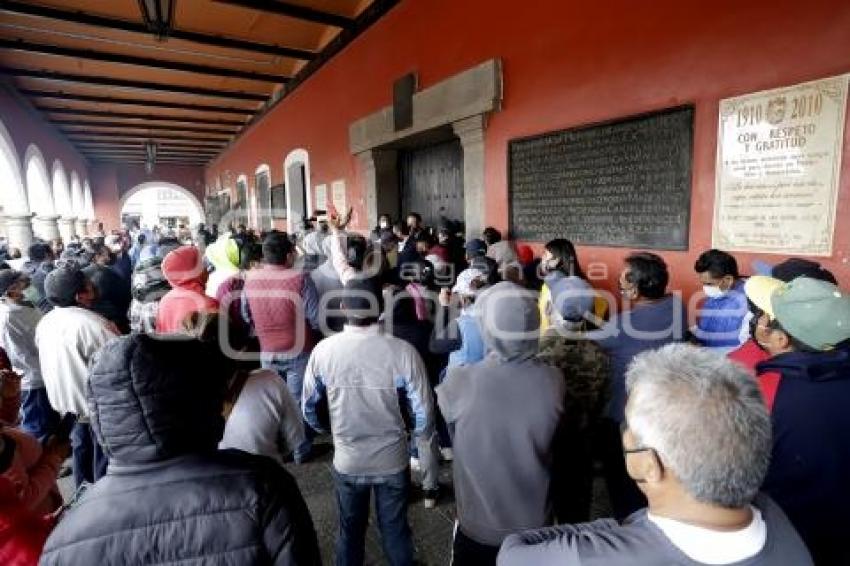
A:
697,440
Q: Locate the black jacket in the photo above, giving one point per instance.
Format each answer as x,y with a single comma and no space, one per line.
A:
113,295
169,496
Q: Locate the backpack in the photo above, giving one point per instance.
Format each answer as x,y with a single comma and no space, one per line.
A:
149,283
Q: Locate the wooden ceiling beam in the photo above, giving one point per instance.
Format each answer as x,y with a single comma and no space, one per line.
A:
84,18
293,11
141,152
142,162
138,145
108,136
62,95
132,116
124,83
153,127
147,62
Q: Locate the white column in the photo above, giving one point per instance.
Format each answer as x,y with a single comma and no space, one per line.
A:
46,227
66,228
19,231
82,227
471,133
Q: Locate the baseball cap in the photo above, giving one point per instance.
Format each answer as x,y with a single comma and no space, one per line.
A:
759,289
815,312
63,283
572,296
463,285
9,277
476,247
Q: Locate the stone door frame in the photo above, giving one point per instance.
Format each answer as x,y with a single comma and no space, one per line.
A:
460,103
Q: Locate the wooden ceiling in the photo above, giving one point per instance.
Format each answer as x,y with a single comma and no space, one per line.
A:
95,71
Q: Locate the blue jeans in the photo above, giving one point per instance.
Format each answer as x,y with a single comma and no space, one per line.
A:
37,416
88,458
391,493
291,370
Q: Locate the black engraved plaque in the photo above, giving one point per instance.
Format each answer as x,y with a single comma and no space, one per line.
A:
625,183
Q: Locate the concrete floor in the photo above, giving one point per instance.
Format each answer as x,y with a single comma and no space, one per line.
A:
432,528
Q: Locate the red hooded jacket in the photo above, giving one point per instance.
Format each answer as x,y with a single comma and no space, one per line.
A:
748,356
184,270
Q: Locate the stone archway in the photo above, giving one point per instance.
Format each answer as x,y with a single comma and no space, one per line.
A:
196,204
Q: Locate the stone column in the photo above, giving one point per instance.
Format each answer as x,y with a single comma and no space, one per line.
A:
82,227
46,227
66,228
380,174
3,225
19,231
471,133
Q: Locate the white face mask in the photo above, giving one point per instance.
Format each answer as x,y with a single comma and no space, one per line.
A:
713,291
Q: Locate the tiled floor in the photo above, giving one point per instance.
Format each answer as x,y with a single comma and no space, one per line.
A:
432,528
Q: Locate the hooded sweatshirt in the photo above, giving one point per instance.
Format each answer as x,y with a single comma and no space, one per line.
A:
184,271
169,496
501,466
223,254
810,462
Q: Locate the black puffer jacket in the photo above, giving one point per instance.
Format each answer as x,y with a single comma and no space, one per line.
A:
169,496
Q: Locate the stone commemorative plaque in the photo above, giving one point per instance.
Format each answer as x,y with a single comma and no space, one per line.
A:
778,164
625,183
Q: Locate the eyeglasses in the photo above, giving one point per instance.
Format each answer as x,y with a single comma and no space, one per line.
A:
624,426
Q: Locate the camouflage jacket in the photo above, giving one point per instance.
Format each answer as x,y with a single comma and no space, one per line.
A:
586,368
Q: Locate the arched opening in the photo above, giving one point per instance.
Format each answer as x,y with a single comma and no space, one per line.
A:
14,208
296,167
61,190
76,195
39,193
13,198
88,205
158,203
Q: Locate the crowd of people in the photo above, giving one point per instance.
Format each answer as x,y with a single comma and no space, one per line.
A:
183,378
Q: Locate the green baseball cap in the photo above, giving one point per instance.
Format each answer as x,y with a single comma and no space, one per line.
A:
814,312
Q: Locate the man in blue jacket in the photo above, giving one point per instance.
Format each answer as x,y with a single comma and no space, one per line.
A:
807,331
721,315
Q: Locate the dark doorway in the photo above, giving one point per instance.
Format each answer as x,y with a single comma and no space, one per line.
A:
264,201
297,187
431,182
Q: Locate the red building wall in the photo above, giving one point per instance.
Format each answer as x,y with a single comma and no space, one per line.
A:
26,126
566,63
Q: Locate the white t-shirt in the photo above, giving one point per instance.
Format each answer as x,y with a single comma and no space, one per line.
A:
715,547
265,419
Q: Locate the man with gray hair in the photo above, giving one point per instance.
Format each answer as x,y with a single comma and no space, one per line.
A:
697,440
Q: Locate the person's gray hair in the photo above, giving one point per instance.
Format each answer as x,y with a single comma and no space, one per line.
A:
706,419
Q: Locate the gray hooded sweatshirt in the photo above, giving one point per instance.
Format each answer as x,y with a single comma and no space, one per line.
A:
506,410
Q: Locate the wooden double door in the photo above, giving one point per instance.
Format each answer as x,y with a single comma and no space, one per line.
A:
431,182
